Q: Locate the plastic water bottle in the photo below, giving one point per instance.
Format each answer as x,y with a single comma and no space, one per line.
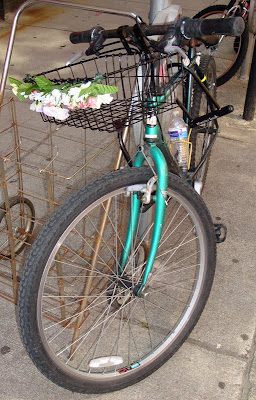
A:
178,133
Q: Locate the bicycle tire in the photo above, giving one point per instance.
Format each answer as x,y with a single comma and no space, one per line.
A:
145,341
227,71
200,106
22,225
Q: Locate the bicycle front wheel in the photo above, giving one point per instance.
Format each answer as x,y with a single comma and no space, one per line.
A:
79,318
230,52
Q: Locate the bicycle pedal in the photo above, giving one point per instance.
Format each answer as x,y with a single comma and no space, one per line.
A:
220,232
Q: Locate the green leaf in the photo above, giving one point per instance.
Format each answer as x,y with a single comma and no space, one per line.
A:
30,89
104,89
43,83
25,86
83,91
87,90
20,96
14,81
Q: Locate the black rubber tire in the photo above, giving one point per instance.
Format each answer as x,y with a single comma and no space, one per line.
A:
21,242
240,54
201,140
50,235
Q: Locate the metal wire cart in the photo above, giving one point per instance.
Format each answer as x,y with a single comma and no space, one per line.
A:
40,165
37,173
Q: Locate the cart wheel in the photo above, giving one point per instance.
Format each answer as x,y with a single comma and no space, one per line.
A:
22,218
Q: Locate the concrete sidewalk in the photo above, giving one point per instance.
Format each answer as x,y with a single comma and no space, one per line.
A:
218,360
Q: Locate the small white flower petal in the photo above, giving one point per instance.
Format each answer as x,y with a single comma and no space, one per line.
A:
86,85
56,112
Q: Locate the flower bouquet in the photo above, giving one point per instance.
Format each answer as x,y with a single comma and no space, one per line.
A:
56,100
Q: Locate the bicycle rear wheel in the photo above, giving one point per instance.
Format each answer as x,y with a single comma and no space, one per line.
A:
230,53
80,321
201,136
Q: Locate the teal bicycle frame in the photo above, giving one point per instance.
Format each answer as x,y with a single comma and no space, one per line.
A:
160,199
156,145
164,162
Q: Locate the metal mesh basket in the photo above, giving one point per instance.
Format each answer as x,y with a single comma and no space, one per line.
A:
138,83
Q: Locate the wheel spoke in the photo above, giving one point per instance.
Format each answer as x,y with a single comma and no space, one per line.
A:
92,324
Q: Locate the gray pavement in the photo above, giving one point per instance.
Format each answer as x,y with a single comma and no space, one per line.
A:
218,359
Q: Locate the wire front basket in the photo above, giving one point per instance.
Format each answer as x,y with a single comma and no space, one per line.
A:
141,84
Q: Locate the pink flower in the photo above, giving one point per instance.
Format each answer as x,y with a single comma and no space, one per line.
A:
56,112
92,102
71,106
82,104
34,92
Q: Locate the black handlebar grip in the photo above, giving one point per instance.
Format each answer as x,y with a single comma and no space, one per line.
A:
80,37
202,27
92,34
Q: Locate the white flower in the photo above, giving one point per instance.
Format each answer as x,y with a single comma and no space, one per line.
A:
103,99
49,99
57,94
35,106
56,112
24,95
38,96
106,98
74,91
65,99
98,101
86,85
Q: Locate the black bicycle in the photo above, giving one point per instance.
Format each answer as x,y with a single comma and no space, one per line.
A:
229,53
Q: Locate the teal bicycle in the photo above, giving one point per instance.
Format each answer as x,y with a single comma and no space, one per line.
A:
119,275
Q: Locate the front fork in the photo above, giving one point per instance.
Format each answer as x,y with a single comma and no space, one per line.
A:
160,200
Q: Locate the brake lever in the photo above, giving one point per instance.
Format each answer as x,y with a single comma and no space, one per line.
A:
75,58
94,48
96,44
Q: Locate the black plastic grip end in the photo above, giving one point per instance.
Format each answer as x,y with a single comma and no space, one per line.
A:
198,28
80,37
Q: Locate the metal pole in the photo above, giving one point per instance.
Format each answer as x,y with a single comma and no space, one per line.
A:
2,16
157,5
250,100
251,28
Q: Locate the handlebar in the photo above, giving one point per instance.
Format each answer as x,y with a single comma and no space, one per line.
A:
198,28
185,28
